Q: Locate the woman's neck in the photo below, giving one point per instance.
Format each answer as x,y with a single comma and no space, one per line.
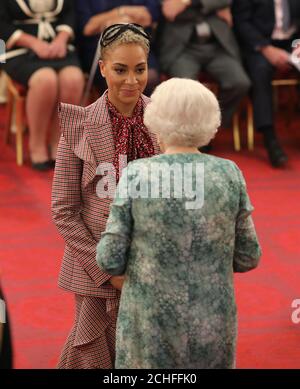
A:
181,150
124,109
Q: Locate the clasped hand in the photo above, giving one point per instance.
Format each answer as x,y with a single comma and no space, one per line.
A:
117,281
56,49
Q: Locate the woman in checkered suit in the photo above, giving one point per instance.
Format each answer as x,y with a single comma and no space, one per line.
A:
94,138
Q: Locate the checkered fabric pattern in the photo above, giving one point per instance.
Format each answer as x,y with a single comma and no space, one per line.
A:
91,343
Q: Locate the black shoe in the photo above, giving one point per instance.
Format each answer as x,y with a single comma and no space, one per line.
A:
277,156
41,166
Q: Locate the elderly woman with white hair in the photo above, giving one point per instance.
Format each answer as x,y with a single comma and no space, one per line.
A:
179,239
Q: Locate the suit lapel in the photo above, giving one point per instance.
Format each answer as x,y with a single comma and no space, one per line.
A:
98,130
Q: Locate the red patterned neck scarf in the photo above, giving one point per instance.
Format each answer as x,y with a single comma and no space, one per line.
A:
131,136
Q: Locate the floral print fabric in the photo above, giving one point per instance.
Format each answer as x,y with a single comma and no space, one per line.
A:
177,306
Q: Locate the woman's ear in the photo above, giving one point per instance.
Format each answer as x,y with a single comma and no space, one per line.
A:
102,68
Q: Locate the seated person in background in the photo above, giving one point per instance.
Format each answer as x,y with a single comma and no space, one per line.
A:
95,15
177,249
196,36
38,56
266,30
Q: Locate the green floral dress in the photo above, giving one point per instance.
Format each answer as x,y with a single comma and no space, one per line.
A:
177,306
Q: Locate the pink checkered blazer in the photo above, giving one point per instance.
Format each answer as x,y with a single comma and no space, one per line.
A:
78,213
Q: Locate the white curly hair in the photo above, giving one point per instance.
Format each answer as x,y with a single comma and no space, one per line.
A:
183,112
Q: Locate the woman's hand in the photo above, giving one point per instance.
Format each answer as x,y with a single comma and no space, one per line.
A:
40,48
117,282
97,23
58,47
118,19
124,14
137,13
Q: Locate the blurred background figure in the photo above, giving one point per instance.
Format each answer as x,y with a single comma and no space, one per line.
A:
95,15
6,356
197,36
39,56
266,30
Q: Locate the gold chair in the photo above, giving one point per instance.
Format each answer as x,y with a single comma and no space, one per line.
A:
293,82
247,109
16,97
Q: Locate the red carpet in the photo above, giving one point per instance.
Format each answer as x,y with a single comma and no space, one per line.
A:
31,251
